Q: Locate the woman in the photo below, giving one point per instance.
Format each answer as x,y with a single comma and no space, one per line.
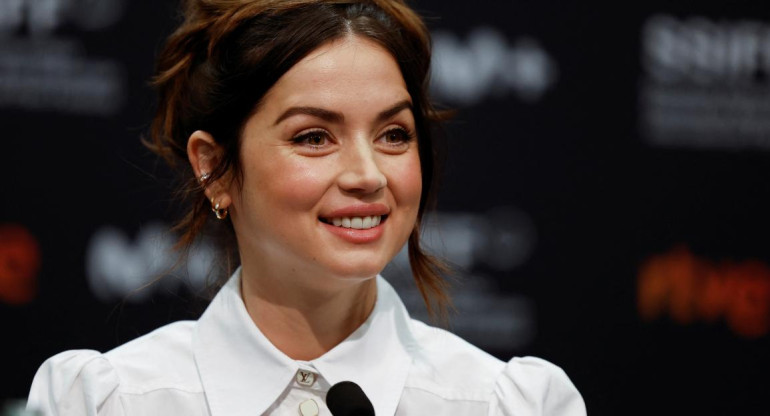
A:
306,128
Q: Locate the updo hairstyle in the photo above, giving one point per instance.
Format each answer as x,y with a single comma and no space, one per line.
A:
215,69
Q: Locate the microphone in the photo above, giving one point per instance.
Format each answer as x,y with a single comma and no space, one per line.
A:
347,399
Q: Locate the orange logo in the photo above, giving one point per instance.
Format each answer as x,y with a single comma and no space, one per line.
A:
19,264
691,289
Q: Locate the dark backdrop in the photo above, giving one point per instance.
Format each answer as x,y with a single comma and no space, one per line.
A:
604,201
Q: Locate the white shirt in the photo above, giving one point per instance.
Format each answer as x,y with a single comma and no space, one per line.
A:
222,365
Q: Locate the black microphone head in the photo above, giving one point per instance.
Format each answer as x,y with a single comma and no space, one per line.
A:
347,399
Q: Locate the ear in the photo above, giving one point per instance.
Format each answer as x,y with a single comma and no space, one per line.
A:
205,154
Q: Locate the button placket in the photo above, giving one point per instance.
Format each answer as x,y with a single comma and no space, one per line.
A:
308,408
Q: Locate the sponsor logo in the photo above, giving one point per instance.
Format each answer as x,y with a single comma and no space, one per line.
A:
476,245
43,71
41,17
19,264
690,289
485,64
118,267
705,83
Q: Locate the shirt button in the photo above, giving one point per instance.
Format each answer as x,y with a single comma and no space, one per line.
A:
305,378
308,408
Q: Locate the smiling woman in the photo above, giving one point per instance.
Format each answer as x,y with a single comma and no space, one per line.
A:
350,158
304,126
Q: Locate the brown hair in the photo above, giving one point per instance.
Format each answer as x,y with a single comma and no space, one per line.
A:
215,68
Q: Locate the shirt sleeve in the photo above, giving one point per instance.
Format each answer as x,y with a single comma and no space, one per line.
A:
78,382
531,386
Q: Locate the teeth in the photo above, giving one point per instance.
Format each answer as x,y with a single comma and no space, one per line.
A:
357,223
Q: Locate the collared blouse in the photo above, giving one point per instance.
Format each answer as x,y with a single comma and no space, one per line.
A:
222,365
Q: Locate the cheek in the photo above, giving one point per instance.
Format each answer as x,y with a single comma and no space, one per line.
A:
284,184
405,180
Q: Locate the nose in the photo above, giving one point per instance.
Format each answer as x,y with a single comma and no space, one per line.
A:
361,172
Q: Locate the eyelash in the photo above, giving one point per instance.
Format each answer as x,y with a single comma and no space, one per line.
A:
407,136
307,135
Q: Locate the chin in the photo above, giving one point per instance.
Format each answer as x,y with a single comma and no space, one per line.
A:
357,263
355,272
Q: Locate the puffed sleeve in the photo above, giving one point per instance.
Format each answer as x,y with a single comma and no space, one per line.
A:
530,386
79,382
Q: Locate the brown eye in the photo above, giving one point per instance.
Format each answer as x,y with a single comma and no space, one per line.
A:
312,139
315,140
397,136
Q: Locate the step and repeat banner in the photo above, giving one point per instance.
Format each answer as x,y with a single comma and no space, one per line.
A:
604,204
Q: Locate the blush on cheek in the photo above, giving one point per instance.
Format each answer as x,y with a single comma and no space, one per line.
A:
406,181
296,185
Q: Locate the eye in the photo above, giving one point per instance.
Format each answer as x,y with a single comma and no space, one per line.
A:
396,139
314,139
397,135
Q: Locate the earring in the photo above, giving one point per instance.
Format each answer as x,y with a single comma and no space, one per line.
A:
221,213
204,177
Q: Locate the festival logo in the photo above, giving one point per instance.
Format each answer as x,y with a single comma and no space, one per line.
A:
690,289
121,268
19,264
43,70
486,64
479,248
705,84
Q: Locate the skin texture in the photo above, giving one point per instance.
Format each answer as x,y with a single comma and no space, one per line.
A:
322,140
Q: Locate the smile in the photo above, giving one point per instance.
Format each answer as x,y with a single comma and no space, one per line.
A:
356,223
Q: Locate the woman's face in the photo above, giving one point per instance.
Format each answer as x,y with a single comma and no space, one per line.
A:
331,171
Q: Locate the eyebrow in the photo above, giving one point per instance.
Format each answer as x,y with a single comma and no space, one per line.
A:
335,117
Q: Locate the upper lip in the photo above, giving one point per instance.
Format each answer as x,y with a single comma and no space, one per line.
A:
359,210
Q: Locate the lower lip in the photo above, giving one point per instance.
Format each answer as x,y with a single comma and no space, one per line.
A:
354,235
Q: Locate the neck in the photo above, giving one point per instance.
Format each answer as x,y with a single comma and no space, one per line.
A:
304,323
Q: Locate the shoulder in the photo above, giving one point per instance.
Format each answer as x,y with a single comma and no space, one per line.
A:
533,386
159,359
449,366
79,381
72,382
452,369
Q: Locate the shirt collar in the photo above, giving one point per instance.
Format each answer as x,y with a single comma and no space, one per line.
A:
243,373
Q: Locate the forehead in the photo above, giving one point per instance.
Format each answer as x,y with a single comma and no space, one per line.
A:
344,73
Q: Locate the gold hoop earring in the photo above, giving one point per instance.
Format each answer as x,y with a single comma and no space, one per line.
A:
221,213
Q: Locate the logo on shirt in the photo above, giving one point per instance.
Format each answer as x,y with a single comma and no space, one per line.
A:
305,378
